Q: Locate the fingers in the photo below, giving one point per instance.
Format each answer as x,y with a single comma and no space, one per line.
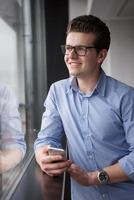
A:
75,171
55,172
52,158
57,165
56,168
72,169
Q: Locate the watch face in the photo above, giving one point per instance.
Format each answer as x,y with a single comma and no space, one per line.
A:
103,177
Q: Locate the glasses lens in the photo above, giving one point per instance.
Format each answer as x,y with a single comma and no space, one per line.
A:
66,49
63,49
79,50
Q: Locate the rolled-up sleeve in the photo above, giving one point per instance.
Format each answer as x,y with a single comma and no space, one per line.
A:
51,127
12,135
127,109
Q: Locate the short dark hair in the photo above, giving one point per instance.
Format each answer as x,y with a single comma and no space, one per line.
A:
91,24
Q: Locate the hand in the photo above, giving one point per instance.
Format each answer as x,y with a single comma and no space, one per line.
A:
53,165
82,177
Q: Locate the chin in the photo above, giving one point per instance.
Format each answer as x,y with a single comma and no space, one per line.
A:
72,73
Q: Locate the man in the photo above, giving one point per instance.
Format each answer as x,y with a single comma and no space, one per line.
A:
97,114
12,143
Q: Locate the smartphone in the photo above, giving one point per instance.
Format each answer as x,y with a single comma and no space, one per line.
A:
56,151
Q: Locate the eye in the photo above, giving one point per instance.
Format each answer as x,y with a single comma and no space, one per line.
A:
80,49
68,47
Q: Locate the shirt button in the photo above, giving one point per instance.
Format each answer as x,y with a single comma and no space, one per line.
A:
84,116
103,196
90,156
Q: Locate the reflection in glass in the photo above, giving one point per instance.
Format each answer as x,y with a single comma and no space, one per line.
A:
12,144
12,120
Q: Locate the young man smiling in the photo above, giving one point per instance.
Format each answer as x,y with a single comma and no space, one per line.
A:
96,112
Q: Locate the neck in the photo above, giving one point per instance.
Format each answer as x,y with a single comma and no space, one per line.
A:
88,84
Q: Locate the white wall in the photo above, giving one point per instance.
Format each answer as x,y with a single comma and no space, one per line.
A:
77,7
122,50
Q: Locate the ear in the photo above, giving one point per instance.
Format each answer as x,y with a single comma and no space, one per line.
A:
101,56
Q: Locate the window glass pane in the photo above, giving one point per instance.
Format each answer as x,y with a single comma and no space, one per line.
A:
12,96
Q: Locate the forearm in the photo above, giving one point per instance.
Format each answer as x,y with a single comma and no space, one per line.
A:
115,172
9,159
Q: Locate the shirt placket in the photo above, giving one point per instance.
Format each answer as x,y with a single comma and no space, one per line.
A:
87,132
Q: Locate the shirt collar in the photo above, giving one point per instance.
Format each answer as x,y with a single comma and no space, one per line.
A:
100,86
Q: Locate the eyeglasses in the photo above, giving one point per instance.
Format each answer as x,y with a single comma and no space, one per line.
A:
79,50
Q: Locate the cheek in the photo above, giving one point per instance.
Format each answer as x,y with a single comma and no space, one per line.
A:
65,59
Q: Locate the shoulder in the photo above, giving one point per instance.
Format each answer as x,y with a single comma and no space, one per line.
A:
62,85
62,82
7,96
118,87
58,90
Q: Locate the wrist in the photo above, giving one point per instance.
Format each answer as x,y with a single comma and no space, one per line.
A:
98,178
92,178
103,177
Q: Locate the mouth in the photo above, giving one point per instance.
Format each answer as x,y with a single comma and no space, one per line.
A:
74,64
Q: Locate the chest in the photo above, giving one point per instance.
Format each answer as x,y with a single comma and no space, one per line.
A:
91,115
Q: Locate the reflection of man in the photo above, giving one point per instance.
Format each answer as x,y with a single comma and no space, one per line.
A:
12,144
97,114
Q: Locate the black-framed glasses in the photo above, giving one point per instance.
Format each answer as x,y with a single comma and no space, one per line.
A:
79,50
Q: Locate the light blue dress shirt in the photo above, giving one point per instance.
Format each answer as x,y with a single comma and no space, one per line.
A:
100,132
11,135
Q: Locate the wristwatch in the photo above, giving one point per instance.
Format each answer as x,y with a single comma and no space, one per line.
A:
103,177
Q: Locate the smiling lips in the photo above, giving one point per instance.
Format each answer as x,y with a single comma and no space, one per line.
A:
74,64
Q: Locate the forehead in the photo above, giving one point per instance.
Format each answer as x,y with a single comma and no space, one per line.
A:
78,38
